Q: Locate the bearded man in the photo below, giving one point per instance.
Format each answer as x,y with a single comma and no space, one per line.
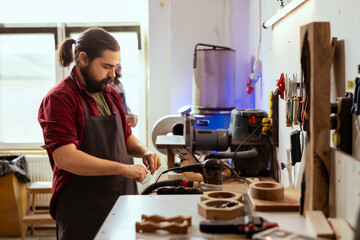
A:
87,138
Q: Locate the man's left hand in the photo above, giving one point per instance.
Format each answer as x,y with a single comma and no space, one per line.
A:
132,120
152,161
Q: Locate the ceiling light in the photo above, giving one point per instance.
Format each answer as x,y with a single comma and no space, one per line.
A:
282,13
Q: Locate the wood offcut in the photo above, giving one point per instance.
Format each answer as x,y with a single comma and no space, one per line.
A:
316,57
271,191
317,225
286,199
153,223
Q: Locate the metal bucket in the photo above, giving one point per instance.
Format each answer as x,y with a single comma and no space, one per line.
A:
213,80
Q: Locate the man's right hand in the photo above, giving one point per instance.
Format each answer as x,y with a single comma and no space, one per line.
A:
136,172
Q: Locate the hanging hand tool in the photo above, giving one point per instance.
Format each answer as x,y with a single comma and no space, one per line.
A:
280,83
296,102
291,110
288,166
300,98
304,106
356,104
274,117
288,101
295,147
288,107
295,110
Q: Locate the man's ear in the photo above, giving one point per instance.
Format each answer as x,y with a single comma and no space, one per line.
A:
83,58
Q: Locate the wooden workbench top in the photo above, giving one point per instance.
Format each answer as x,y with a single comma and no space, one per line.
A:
120,223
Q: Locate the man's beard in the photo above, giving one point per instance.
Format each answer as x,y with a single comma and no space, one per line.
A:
92,85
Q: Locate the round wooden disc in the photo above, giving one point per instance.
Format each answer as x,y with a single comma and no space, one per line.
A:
267,191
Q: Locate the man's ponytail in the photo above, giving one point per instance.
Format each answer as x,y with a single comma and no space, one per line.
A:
66,55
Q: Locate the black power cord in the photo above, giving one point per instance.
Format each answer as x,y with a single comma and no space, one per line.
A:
238,147
173,183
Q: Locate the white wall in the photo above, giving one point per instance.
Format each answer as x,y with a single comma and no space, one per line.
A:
280,51
175,27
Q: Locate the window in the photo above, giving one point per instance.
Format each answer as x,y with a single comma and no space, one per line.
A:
28,69
27,72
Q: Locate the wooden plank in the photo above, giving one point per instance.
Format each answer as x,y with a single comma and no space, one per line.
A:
241,186
38,219
318,138
341,228
291,202
344,188
170,158
23,151
317,225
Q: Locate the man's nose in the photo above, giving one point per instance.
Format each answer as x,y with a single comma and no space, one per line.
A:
111,73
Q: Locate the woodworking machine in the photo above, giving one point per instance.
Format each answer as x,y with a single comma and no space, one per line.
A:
245,143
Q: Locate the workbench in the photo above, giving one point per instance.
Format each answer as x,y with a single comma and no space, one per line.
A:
120,223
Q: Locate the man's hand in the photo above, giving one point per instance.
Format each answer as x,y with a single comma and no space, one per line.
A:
69,158
152,161
136,172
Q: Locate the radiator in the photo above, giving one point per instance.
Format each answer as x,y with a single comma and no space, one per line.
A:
39,169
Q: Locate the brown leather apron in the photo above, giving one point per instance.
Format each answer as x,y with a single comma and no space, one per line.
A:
85,201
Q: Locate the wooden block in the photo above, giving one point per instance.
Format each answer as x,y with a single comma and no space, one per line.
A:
13,202
290,202
159,219
151,223
318,57
208,209
317,225
341,228
267,191
224,195
153,227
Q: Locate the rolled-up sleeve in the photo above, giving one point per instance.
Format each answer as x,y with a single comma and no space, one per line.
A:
58,119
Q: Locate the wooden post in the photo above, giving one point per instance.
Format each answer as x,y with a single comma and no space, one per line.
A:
317,166
170,158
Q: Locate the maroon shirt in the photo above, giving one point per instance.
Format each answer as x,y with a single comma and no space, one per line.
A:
61,115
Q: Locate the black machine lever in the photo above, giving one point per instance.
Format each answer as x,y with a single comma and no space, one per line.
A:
238,155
